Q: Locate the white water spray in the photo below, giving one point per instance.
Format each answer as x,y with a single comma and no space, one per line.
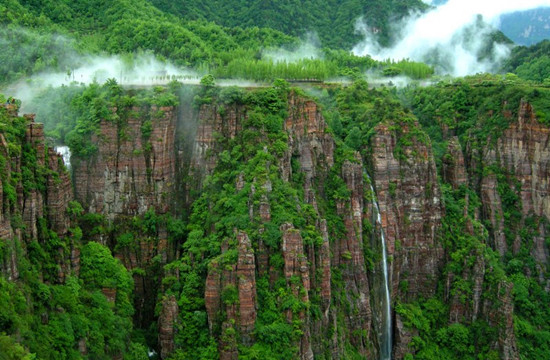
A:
65,153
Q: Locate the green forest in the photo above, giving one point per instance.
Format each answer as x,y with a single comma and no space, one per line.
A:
228,210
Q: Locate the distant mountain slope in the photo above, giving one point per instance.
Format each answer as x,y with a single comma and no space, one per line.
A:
116,27
523,27
333,20
527,27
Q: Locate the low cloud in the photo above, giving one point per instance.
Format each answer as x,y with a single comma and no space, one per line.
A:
307,48
455,37
128,70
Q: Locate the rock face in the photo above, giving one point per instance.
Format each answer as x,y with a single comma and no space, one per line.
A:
410,206
134,166
131,173
523,151
348,253
313,147
454,171
34,204
296,267
405,180
520,156
495,306
492,208
212,127
409,200
231,289
515,166
309,141
247,287
307,267
167,322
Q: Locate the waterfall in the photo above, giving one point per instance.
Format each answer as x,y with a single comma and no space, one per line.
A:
385,338
65,153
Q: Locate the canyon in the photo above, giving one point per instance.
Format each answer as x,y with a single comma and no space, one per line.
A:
288,214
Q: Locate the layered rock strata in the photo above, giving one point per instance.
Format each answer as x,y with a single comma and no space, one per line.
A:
34,204
133,169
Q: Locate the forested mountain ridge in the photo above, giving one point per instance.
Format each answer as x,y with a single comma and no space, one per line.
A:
333,21
59,36
528,27
38,39
96,27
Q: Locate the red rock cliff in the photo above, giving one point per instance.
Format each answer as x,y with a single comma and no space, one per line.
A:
405,180
307,267
34,203
131,170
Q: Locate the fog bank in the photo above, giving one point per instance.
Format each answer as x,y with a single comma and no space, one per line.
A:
454,37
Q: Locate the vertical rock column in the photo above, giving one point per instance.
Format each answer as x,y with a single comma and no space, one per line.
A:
296,267
240,313
167,322
313,148
349,255
524,152
411,210
406,184
246,278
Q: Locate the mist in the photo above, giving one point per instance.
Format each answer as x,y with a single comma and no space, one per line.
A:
454,37
308,48
127,70
24,48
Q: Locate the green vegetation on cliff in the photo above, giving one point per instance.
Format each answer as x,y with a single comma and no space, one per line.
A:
478,110
222,210
54,308
246,176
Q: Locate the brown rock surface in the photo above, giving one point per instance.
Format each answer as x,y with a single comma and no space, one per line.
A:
296,267
129,173
59,193
411,210
453,170
523,150
167,325
506,337
492,209
410,207
348,253
247,287
233,313
212,124
309,140
34,204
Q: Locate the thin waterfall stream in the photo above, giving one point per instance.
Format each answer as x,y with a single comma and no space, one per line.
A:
385,338
65,153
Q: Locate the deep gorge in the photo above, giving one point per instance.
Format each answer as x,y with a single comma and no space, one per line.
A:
245,221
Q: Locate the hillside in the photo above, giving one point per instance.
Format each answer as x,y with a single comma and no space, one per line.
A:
527,27
333,21
56,32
